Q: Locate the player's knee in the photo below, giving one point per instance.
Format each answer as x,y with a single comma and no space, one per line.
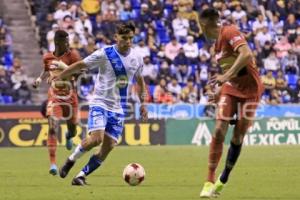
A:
72,130
220,132
237,139
51,131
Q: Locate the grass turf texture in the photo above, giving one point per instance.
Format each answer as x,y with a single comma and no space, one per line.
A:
172,172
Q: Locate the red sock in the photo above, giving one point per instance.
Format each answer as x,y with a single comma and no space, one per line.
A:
215,153
52,143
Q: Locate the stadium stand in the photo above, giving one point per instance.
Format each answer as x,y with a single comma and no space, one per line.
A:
169,35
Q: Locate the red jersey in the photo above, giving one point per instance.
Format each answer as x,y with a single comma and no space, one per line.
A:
69,58
247,84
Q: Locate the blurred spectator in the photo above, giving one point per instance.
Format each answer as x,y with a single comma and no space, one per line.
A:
126,13
282,47
269,82
262,37
189,92
175,89
91,6
82,23
156,9
150,71
274,98
62,11
183,73
23,94
290,28
164,71
238,13
181,58
180,26
144,17
259,23
297,92
276,27
141,49
271,62
172,49
50,37
290,63
296,46
111,14
66,22
5,82
161,94
191,50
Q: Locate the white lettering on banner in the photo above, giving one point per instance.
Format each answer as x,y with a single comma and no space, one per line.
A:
272,139
291,139
202,132
281,125
254,127
277,138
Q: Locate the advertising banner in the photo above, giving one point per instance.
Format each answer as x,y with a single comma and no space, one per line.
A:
266,131
34,132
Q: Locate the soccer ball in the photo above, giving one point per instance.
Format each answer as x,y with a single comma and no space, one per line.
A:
134,174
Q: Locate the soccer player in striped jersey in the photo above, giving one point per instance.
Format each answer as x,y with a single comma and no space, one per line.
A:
118,65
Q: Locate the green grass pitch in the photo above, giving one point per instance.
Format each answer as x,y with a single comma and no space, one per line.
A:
172,173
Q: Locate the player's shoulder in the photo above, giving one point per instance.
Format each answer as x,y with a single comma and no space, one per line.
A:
48,55
227,29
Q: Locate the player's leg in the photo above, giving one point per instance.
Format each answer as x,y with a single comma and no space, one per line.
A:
72,131
113,131
52,144
95,139
246,114
95,160
71,113
96,126
215,153
225,112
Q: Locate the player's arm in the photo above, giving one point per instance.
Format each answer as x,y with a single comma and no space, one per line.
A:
142,96
40,78
243,58
72,69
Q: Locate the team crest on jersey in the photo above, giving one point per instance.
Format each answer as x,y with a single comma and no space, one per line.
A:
118,67
235,39
122,81
133,62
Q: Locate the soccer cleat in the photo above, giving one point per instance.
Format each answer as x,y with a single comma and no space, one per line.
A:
218,187
69,142
79,181
207,190
53,169
64,170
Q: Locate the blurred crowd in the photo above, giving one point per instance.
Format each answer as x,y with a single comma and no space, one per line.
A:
178,59
13,80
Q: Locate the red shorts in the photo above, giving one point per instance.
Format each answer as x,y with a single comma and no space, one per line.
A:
63,107
229,105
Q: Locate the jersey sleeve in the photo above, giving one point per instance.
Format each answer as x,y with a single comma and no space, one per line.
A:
46,61
234,37
95,59
140,67
75,56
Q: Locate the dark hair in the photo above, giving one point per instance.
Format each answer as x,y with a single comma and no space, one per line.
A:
60,34
209,13
125,28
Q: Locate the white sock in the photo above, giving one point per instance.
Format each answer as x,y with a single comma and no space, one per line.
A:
80,174
78,152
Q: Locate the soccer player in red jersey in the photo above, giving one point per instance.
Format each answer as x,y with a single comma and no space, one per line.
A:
239,94
62,96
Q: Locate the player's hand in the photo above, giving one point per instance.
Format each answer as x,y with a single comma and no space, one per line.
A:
58,65
144,112
37,82
219,79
